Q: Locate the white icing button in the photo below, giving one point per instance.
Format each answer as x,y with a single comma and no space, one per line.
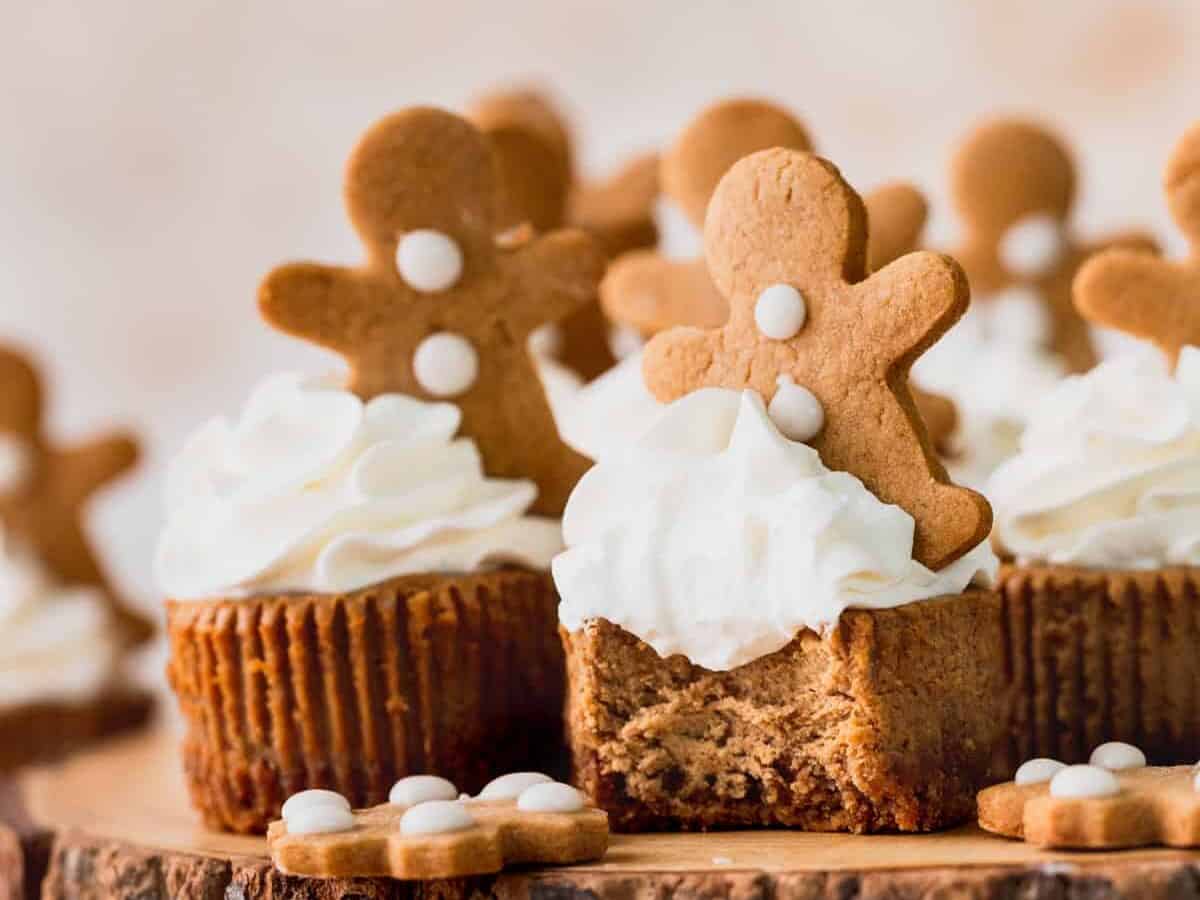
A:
1084,781
16,462
1016,315
1116,756
1035,771
436,817
1032,246
550,798
796,412
446,364
320,820
546,341
510,787
421,789
780,312
313,799
428,260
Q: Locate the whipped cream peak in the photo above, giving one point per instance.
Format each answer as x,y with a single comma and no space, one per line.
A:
1108,473
57,643
311,489
717,537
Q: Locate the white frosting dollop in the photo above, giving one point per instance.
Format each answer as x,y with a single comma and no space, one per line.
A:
1118,756
993,364
1036,771
554,797
421,789
57,643
312,798
1108,474
314,490
716,537
605,415
436,817
1084,781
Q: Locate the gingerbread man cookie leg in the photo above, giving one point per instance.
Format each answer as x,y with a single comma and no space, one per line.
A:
1149,297
786,218
439,310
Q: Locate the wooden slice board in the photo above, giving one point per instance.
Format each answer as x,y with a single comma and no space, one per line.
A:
122,828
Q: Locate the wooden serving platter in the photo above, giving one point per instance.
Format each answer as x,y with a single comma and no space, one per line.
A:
118,825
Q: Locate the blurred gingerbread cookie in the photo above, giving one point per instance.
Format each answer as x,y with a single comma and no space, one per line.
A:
1113,802
45,489
428,831
826,344
1013,184
439,309
1148,296
538,186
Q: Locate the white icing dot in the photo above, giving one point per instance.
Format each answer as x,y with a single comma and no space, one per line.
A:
446,364
1018,316
553,797
1032,246
510,787
1084,781
429,260
16,462
319,820
546,341
1116,756
421,789
436,817
1035,771
316,798
780,312
796,412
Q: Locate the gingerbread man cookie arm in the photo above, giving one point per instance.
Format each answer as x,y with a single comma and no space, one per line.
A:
619,210
324,304
568,265
88,467
679,361
924,294
1143,295
650,293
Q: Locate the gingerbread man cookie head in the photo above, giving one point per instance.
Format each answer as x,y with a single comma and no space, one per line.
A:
533,156
715,140
1147,296
440,311
785,240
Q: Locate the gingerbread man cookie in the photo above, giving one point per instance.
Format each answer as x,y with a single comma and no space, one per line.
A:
44,489
439,310
538,187
1147,296
1113,802
1013,184
785,240
428,831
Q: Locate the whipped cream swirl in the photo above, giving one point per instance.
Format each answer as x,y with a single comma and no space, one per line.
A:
314,490
718,538
57,644
1109,470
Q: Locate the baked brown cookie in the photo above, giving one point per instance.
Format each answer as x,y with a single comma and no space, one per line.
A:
439,309
538,185
1147,296
1115,801
43,501
1013,183
786,243
425,833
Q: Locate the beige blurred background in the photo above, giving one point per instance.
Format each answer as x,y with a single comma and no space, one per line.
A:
158,157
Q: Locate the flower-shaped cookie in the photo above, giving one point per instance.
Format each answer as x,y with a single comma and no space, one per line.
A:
428,832
1113,802
1013,184
1147,296
438,309
830,347
44,489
